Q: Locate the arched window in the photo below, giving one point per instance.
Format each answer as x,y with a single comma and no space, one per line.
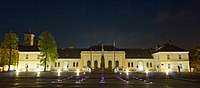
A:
117,63
76,64
55,64
73,64
89,63
128,64
109,64
179,57
150,64
95,64
169,66
168,57
147,64
58,64
131,64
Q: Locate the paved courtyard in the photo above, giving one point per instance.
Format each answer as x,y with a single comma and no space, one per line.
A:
97,80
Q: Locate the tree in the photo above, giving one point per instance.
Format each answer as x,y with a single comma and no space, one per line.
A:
4,57
195,58
9,44
48,48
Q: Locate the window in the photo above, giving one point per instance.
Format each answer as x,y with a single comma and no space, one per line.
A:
76,64
38,65
58,64
150,64
131,64
117,63
89,63
38,56
55,64
128,64
27,39
179,56
73,64
169,66
180,66
147,64
26,56
168,57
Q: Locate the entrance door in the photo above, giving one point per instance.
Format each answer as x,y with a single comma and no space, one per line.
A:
109,64
95,64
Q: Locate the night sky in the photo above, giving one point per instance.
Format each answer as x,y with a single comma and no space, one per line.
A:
130,23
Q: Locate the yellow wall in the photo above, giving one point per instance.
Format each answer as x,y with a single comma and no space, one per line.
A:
96,56
161,61
32,61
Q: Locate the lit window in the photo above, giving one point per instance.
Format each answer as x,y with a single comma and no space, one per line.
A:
131,64
55,64
147,64
128,64
26,56
168,57
179,57
76,64
58,64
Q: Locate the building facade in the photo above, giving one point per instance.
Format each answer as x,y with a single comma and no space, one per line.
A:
166,57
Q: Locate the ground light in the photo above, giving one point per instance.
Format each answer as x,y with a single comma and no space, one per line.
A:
38,72
115,70
167,71
17,72
147,72
77,72
147,75
102,81
59,72
127,72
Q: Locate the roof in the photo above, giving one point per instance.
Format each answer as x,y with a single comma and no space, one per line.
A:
105,47
33,48
168,47
69,53
138,53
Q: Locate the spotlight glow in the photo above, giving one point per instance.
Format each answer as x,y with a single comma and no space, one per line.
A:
167,71
38,72
77,72
17,72
127,71
59,72
147,72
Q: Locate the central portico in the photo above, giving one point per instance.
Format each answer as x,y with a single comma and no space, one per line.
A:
102,57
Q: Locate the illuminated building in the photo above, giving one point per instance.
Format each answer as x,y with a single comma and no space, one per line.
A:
89,59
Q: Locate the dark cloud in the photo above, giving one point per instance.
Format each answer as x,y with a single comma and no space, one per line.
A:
162,16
